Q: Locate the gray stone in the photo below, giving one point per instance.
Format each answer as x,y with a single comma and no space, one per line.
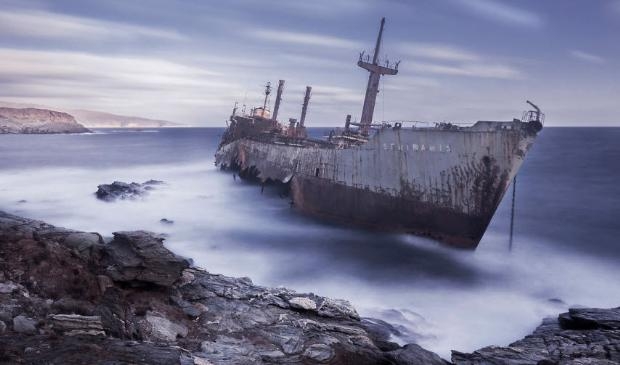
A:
319,352
302,303
413,354
161,328
140,257
337,308
2,327
23,324
8,287
589,334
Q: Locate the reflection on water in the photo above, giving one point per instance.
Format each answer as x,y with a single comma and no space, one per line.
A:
565,245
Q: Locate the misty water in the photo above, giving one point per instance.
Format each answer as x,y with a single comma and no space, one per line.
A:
565,250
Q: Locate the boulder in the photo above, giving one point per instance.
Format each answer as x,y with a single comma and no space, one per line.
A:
140,257
23,324
158,327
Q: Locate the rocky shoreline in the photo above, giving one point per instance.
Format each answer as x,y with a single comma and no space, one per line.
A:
70,297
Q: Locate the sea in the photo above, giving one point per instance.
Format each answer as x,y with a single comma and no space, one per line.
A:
565,250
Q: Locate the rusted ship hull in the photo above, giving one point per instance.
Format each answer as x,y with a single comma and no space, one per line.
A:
445,184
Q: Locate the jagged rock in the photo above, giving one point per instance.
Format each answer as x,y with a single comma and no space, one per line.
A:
413,354
8,288
161,328
201,361
585,335
591,318
23,324
74,324
302,303
337,308
140,257
122,190
319,352
133,288
75,306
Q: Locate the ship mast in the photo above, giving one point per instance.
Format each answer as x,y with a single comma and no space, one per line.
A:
373,81
267,92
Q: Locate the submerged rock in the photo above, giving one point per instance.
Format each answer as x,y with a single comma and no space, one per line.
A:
121,190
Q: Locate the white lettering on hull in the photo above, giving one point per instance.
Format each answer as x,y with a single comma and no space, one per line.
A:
444,148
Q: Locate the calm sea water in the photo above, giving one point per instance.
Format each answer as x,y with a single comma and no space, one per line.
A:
566,250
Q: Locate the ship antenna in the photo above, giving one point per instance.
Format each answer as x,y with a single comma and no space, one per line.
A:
376,71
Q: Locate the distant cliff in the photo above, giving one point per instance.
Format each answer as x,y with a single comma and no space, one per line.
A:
37,121
94,119
98,119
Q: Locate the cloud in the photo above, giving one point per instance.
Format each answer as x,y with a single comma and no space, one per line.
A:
437,51
482,70
156,87
588,57
446,59
303,39
322,8
40,24
502,13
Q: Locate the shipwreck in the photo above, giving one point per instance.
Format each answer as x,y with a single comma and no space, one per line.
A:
443,180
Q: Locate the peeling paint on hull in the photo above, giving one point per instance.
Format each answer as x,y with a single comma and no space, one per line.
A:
445,184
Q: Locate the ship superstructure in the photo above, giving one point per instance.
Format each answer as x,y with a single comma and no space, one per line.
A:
443,181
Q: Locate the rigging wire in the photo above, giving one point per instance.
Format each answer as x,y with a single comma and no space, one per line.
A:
512,211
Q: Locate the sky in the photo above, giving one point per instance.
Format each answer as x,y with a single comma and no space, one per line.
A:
189,61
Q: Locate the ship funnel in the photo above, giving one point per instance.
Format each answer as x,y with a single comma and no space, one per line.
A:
304,109
276,106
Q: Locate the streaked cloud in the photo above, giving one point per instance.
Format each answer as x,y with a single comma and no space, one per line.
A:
437,51
40,24
323,8
112,83
588,57
502,13
301,39
470,70
450,60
